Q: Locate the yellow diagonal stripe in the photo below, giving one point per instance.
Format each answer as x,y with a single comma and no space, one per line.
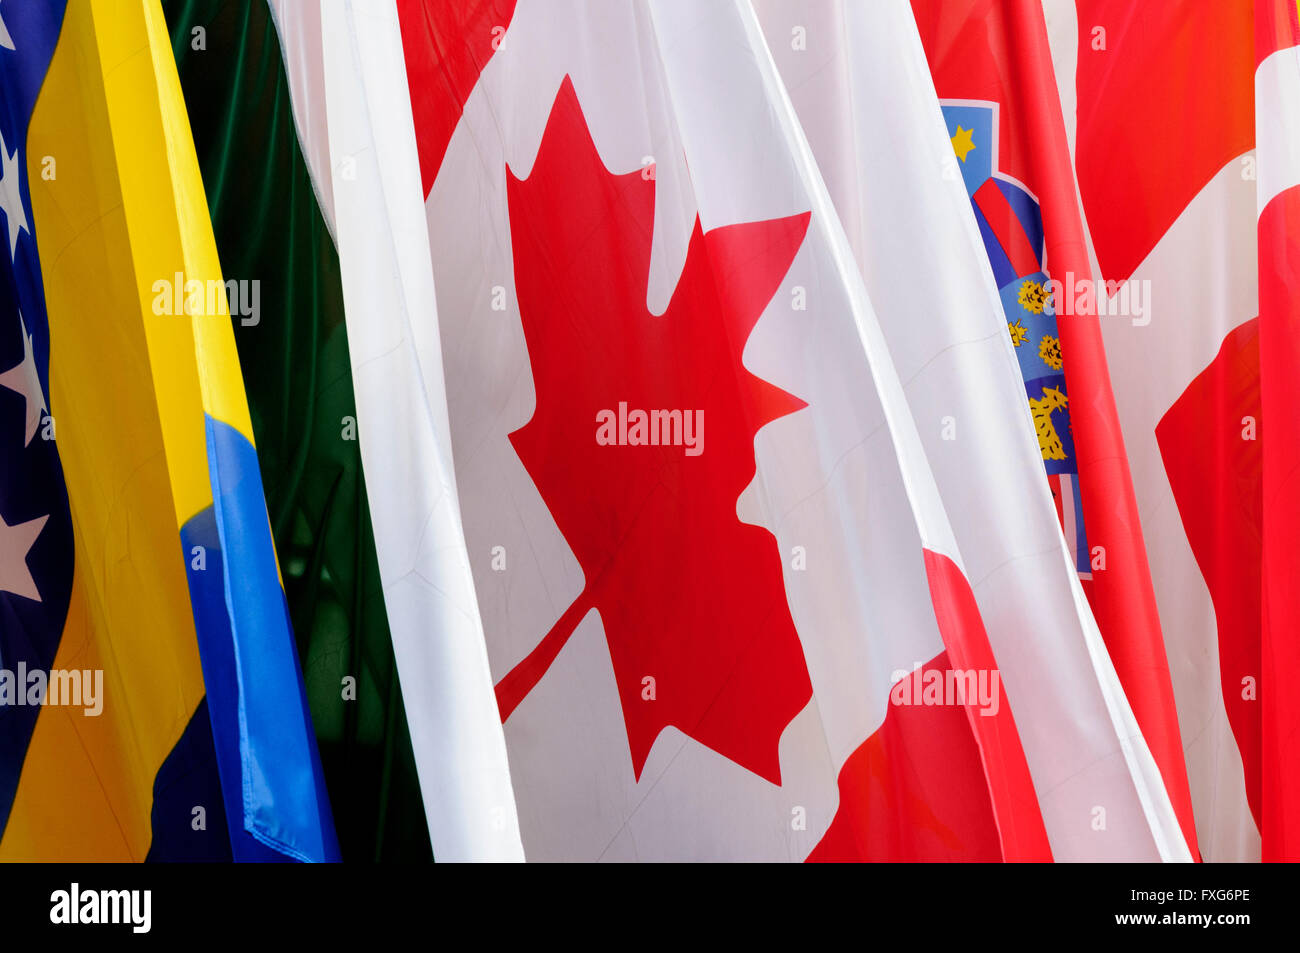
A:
119,215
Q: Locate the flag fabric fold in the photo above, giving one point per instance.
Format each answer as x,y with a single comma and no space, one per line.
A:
569,293
1174,220
992,68
1277,98
170,453
353,111
1203,383
691,430
293,350
902,195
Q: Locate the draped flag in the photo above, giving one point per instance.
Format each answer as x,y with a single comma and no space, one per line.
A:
1212,420
150,566
352,109
889,166
294,353
720,594
691,430
1277,121
993,73
1174,216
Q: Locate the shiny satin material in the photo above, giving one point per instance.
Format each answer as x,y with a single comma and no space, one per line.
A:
297,377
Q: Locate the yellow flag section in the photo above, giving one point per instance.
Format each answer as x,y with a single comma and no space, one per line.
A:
175,582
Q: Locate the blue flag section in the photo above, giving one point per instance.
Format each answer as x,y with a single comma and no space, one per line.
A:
36,544
151,702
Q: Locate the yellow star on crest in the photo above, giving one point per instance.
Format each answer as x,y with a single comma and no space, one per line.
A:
962,143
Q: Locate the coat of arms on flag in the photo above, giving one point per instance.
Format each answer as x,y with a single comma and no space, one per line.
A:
1011,224
434,564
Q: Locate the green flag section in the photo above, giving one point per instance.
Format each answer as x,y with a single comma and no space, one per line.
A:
289,328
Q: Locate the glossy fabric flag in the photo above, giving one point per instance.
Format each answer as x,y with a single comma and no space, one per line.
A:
294,353
720,593
153,444
1175,216
993,72
352,110
889,167
1277,120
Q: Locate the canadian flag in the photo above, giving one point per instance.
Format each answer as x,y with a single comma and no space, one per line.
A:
725,610
675,420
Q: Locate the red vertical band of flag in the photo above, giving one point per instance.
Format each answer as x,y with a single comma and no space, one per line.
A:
1279,317
1277,27
997,51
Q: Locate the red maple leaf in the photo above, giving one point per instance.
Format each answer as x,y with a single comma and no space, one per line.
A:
689,595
